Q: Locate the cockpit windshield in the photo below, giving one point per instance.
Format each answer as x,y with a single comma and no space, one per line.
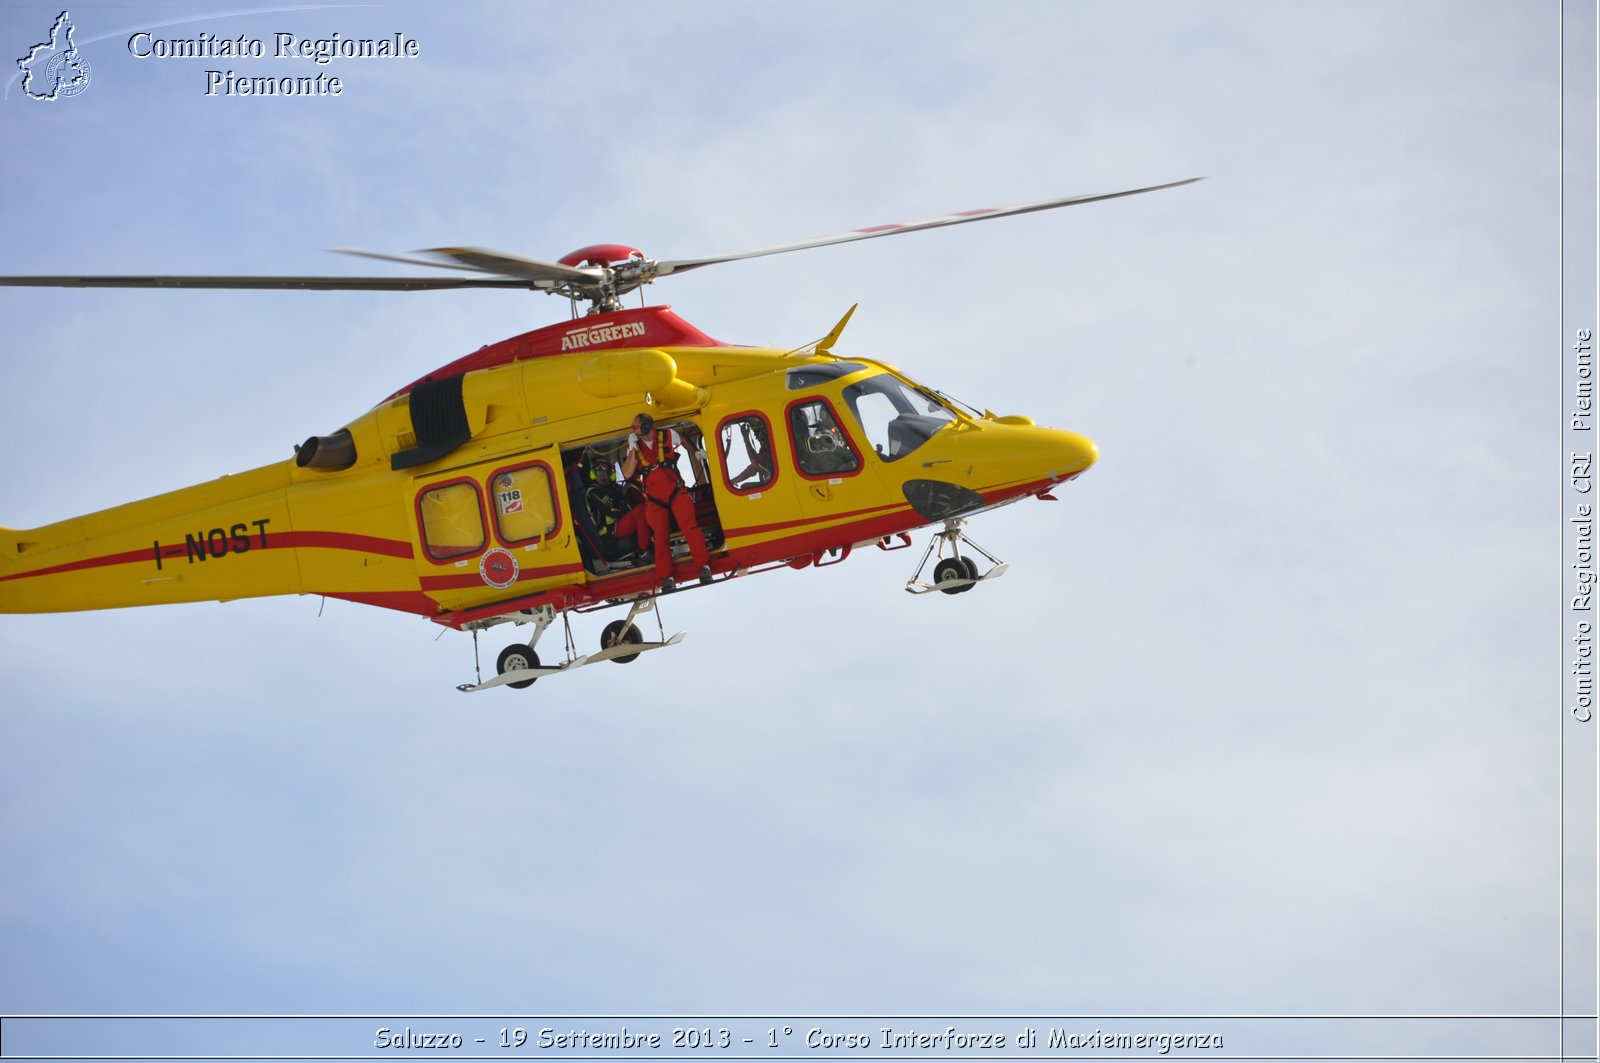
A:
896,417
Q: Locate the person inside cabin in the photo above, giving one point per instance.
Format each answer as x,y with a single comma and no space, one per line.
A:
601,507
759,471
653,456
635,527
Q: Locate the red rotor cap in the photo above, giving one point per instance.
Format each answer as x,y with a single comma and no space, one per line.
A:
600,255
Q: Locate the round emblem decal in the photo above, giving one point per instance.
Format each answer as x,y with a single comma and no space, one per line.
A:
498,568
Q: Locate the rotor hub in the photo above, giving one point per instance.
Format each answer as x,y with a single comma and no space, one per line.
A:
602,255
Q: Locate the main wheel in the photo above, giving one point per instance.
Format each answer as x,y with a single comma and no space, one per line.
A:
952,568
516,658
972,573
615,635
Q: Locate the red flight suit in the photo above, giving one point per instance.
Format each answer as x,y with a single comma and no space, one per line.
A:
666,500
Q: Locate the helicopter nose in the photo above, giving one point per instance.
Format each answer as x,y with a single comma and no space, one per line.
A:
1075,452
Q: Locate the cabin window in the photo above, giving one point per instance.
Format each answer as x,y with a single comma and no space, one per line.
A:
821,447
452,520
524,503
745,444
896,417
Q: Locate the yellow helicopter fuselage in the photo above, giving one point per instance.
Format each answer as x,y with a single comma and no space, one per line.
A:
463,497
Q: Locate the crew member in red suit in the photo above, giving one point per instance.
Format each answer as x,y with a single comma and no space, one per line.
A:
654,456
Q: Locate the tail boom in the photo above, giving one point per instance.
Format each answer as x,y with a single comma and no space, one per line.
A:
213,541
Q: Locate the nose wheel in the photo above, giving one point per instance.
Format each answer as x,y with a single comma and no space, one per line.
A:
956,573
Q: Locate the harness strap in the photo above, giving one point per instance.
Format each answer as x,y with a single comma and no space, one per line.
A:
665,453
665,503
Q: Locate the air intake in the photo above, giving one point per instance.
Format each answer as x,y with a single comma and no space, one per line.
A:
439,421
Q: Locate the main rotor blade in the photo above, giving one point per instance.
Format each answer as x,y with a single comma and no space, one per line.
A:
407,259
487,269
330,284
509,265
498,269
680,265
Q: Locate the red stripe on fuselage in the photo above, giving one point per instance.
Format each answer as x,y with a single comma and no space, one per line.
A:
327,540
472,578
811,522
292,540
125,558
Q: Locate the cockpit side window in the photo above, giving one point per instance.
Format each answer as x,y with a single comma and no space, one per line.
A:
821,446
896,417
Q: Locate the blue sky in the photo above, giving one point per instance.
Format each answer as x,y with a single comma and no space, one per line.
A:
1259,720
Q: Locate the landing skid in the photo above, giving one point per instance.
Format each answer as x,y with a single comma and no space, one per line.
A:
956,573
630,650
518,675
621,643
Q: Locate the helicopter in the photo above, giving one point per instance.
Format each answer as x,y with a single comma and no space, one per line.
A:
491,490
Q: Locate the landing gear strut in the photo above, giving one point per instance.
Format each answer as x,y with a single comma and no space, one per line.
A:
519,665
956,573
520,656
623,633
